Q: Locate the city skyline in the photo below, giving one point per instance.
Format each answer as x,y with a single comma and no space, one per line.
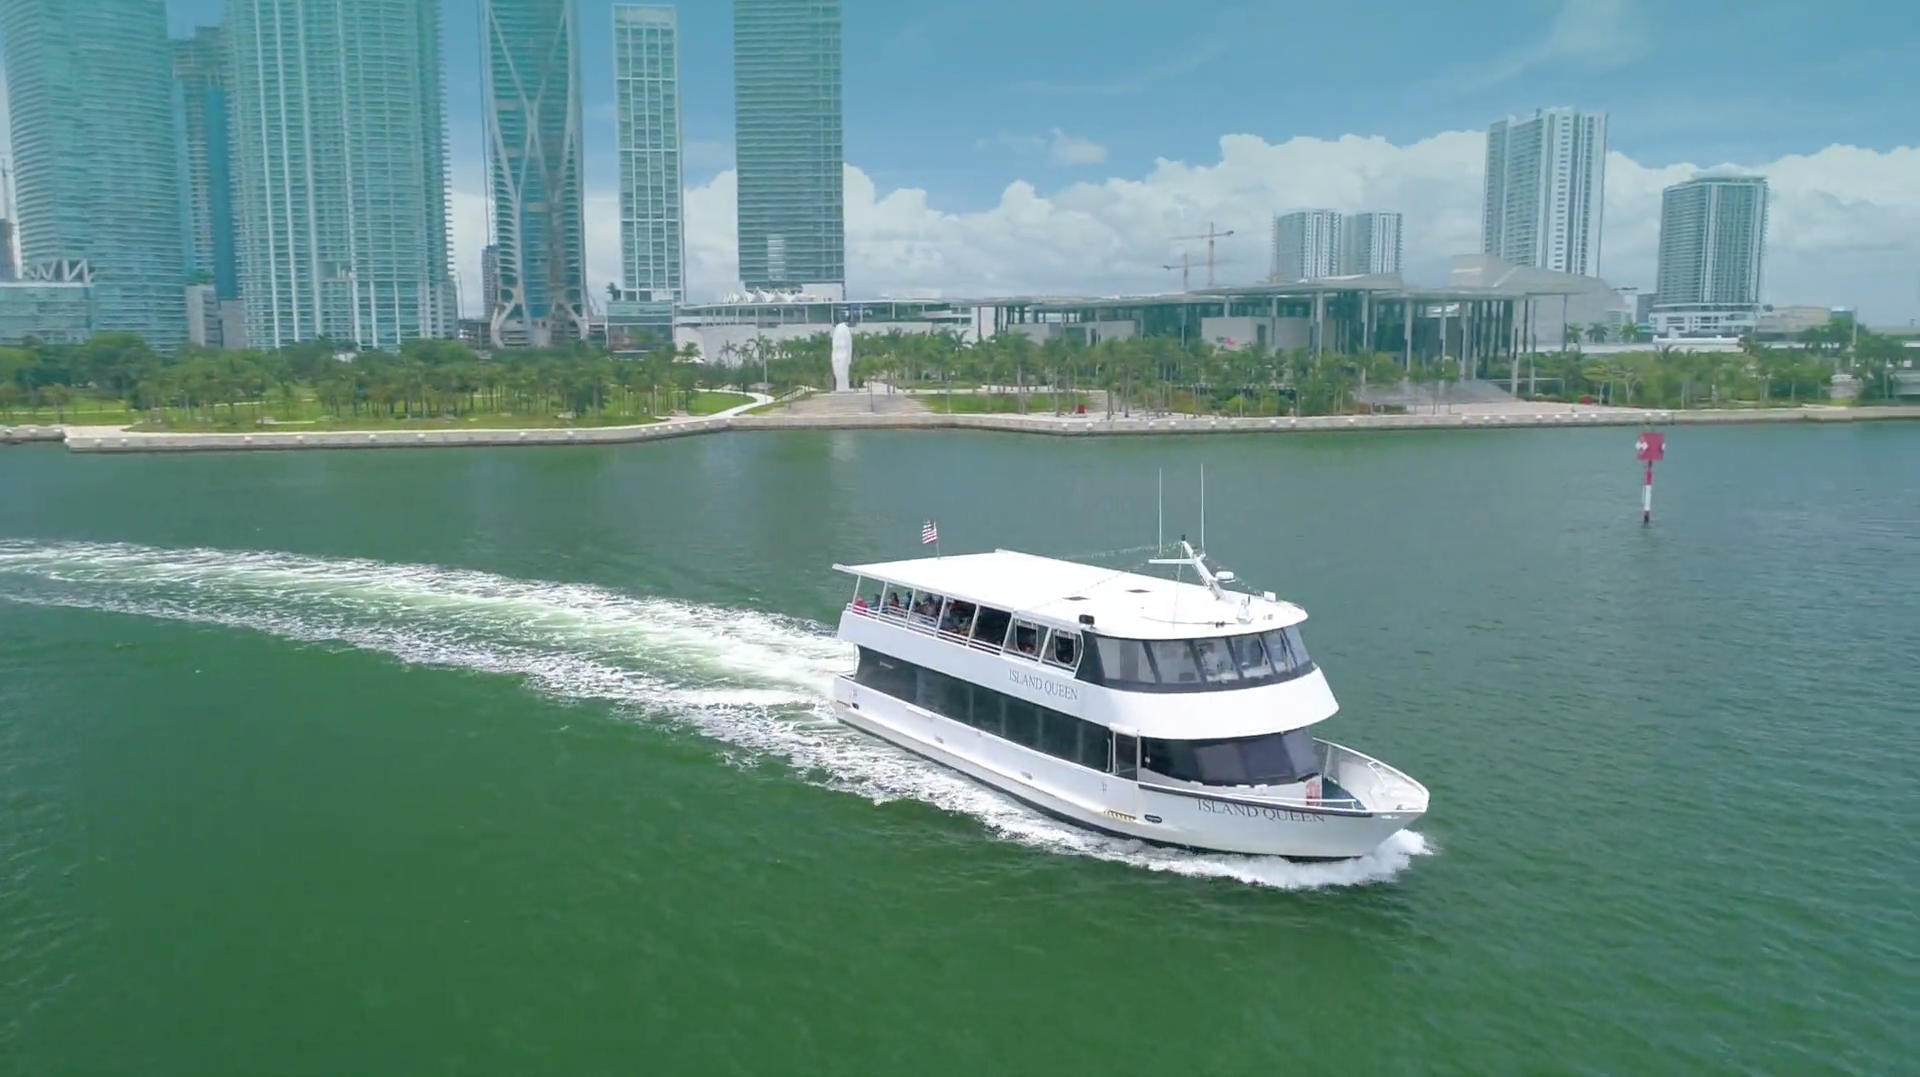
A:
534,154
1841,215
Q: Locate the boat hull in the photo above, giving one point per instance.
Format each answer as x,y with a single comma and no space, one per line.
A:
1224,822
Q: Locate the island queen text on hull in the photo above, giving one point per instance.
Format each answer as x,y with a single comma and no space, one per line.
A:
1146,707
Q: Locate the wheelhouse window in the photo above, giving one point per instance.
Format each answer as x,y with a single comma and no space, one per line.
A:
1197,665
1269,759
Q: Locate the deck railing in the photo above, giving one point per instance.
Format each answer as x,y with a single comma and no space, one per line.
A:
926,626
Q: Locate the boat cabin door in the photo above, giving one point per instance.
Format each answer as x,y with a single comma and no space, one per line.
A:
1123,785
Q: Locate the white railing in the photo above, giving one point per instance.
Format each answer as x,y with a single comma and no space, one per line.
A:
925,625
1374,782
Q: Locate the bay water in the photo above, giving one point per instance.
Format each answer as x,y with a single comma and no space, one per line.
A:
517,761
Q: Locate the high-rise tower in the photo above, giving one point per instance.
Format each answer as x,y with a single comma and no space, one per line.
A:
534,150
646,80
1713,237
96,164
1306,245
789,159
1545,189
341,180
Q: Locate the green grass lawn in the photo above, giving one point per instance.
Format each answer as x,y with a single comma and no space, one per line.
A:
711,403
999,403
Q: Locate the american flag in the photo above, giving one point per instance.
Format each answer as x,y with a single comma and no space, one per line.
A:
929,533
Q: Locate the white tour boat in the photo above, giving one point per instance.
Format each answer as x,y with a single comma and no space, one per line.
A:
1145,707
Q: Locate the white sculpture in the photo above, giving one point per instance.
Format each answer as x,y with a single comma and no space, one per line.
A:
842,358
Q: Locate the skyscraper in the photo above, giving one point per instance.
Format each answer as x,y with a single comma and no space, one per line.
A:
534,150
203,70
646,79
1369,243
1713,235
96,161
787,144
1306,245
1545,185
341,179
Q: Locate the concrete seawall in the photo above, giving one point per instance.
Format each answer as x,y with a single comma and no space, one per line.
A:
15,435
97,439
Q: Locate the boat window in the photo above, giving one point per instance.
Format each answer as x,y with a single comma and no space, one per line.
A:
1173,659
1288,651
884,673
1025,639
926,607
1063,648
1124,661
1022,721
899,600
958,619
1056,733
991,626
1251,653
1217,664
1269,759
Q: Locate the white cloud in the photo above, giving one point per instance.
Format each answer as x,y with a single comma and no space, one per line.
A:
1066,149
1845,222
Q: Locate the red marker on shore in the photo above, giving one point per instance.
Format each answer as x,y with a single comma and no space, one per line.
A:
1650,447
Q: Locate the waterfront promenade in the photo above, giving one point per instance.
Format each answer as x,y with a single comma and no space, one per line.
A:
111,439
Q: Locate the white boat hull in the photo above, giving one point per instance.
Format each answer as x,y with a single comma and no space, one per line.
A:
1228,820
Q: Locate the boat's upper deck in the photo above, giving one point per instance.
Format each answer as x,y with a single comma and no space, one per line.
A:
1125,605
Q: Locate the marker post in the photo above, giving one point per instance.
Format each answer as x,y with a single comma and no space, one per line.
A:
1651,446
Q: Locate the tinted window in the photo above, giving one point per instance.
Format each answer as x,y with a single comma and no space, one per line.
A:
1053,732
889,675
1124,661
1200,664
1251,653
1022,721
1025,640
1060,734
1269,759
1173,660
1217,663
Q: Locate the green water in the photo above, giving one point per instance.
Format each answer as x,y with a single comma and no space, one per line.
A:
514,762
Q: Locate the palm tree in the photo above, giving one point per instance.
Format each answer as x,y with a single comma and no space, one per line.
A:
1598,332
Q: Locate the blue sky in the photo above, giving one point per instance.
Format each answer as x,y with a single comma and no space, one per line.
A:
961,98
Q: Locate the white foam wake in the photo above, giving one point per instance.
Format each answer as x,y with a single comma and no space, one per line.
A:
753,680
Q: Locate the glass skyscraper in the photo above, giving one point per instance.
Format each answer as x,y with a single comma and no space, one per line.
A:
1545,190
787,143
646,76
534,151
203,70
96,156
341,180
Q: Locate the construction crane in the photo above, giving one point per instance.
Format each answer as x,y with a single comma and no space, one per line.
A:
1185,266
1210,235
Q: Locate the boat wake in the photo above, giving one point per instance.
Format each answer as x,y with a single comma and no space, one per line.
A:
756,681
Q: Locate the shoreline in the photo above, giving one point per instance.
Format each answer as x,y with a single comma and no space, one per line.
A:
112,439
